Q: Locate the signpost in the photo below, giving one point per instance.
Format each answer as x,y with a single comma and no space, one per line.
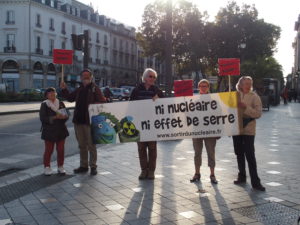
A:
229,67
63,57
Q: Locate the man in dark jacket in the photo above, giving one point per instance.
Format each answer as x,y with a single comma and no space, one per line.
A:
147,90
87,93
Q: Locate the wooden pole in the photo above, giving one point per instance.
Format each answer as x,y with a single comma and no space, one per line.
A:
62,73
229,83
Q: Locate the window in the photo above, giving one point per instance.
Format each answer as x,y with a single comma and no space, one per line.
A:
115,42
121,45
105,53
105,39
38,20
63,44
51,25
97,37
38,42
10,17
63,28
10,42
73,29
51,46
97,52
126,46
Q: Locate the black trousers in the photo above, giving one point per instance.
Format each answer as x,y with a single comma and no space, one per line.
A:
244,148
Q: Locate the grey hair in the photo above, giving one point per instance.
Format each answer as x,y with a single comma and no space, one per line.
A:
146,73
239,83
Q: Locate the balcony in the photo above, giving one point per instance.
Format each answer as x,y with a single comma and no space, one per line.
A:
51,28
39,51
98,61
105,43
63,32
97,41
11,49
50,53
105,62
90,60
38,25
8,22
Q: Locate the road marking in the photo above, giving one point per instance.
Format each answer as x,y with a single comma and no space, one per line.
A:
18,134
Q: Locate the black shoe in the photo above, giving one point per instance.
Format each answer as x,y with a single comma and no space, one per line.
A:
240,180
259,187
81,170
213,179
196,177
94,171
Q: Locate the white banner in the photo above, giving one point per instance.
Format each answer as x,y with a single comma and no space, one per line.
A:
210,115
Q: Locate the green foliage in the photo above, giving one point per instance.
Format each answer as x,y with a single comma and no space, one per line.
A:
237,32
17,97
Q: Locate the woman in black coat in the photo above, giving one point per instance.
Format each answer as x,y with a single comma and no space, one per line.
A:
53,115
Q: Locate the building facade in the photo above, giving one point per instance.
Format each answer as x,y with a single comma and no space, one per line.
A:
295,78
31,29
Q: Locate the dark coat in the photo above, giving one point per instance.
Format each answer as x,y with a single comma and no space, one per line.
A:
52,129
140,92
83,96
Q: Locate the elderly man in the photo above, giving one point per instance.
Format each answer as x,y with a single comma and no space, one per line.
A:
87,93
147,90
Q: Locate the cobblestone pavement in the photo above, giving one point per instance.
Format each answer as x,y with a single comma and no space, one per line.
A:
116,196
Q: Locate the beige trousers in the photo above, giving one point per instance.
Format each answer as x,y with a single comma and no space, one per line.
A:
210,144
86,146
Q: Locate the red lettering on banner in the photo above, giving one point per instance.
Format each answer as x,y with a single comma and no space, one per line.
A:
229,66
62,56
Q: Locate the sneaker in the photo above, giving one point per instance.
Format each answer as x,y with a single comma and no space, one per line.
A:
213,179
143,175
93,171
240,180
47,171
259,187
151,175
61,170
81,170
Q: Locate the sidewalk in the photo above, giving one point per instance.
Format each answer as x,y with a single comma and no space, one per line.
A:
116,196
24,107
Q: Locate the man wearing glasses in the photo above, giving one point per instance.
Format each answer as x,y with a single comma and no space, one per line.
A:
147,90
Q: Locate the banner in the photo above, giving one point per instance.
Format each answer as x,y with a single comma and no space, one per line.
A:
202,116
62,56
229,66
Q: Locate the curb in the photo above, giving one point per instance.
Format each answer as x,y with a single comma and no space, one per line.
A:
25,111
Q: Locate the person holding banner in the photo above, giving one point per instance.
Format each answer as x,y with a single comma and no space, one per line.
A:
147,90
53,115
210,144
250,109
87,93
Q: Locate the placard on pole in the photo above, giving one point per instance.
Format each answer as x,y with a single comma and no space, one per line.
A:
63,57
229,67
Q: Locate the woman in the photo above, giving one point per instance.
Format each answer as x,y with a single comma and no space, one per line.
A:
250,108
210,144
147,90
53,115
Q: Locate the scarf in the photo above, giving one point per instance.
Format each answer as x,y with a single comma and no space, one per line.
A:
53,105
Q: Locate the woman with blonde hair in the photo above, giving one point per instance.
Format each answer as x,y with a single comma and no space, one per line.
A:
210,144
250,109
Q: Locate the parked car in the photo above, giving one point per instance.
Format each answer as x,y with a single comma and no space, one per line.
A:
120,93
129,88
31,91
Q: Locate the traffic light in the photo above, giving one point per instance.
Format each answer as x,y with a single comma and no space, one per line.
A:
77,41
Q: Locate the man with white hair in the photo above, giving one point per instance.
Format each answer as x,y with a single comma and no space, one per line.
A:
147,90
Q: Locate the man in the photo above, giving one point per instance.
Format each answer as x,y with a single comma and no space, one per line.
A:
87,93
147,90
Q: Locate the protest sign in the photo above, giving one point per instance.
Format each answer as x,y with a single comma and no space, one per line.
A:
202,116
183,88
62,56
229,66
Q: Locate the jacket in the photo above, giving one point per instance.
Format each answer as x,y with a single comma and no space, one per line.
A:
83,97
140,92
253,110
52,129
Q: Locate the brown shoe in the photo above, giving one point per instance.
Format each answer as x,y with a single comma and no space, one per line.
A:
151,175
143,175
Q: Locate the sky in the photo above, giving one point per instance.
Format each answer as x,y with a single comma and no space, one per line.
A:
281,13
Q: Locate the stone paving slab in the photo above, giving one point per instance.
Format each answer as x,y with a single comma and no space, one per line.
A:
116,196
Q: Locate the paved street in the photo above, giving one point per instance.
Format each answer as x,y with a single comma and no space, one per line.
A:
116,196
